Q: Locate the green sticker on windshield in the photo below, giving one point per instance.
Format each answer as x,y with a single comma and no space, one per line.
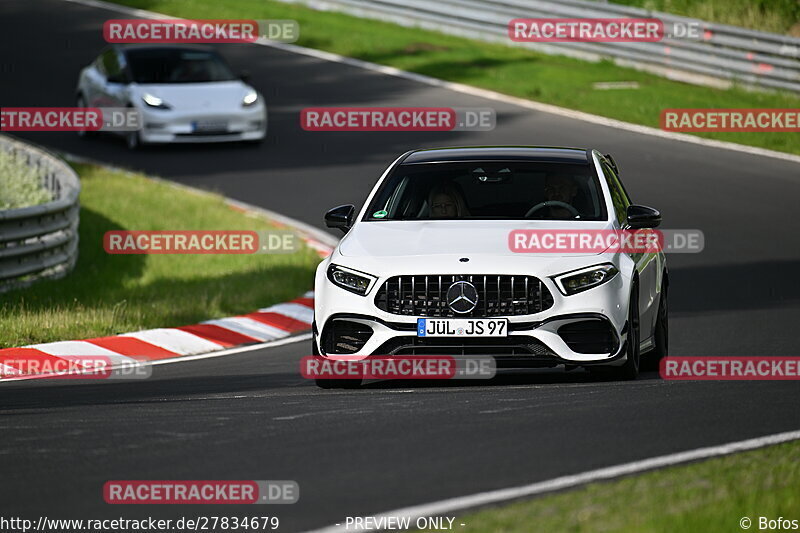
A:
379,214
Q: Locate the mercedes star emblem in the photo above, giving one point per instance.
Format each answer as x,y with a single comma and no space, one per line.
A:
462,297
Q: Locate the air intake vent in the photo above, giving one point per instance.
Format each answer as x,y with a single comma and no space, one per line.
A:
345,337
589,336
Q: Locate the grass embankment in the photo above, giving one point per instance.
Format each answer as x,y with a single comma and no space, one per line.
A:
515,71
777,16
110,294
709,497
20,184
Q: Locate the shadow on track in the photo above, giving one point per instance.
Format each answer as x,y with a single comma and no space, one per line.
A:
525,377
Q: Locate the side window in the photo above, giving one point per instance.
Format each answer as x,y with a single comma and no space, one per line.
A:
98,64
618,196
110,66
393,204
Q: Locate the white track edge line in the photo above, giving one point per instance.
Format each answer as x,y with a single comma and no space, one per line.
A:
476,91
230,351
570,481
323,237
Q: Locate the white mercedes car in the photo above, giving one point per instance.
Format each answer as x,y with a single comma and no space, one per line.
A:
185,93
425,267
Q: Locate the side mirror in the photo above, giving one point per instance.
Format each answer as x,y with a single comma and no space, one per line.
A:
640,216
245,76
341,217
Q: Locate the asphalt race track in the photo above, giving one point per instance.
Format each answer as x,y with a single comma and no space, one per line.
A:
251,416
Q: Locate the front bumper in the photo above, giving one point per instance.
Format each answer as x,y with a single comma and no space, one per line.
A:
182,127
582,329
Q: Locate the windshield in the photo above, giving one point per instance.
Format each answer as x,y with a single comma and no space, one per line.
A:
164,65
489,190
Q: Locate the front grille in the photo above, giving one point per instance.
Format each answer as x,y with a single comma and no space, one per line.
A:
589,336
516,345
345,337
498,295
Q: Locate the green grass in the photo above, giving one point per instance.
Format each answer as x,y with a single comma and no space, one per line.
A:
511,70
20,184
709,497
110,294
777,16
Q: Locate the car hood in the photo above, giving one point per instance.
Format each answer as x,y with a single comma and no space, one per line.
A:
212,96
453,237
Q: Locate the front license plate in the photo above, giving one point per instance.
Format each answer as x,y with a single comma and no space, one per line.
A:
206,126
462,327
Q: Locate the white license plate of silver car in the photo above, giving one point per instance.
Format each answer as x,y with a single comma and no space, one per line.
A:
462,327
206,126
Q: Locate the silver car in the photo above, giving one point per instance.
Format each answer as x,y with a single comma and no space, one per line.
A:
185,93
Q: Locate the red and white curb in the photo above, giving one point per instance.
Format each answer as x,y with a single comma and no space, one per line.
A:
265,325
262,326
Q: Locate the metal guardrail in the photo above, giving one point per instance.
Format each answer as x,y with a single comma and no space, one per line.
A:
721,56
40,241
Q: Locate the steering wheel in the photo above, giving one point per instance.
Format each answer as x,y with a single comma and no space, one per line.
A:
552,203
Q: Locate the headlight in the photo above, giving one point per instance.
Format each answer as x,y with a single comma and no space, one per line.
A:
586,278
154,101
351,280
250,98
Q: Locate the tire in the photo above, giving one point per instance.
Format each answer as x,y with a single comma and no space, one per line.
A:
630,369
325,383
338,383
132,141
661,333
333,383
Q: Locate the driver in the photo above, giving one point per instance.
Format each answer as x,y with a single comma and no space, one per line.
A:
446,202
559,188
191,71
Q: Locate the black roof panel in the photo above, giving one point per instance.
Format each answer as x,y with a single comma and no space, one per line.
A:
163,46
547,154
